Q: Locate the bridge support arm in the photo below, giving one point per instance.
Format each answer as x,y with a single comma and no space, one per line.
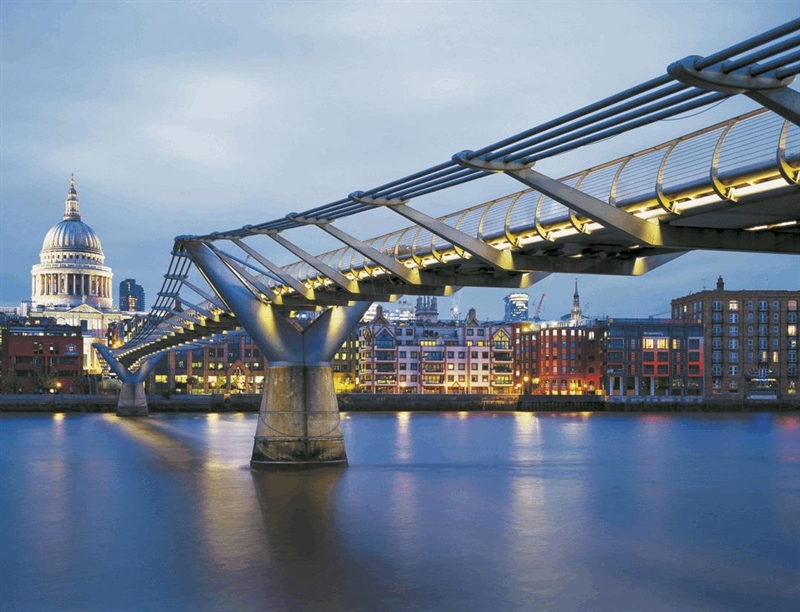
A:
639,231
132,398
785,102
298,420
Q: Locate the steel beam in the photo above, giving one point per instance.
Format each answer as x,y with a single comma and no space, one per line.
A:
766,89
211,299
391,265
334,275
785,102
290,280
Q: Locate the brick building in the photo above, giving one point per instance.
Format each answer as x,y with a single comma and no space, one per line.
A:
432,356
750,338
38,355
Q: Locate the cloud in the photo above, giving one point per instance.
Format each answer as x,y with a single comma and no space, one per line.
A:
207,116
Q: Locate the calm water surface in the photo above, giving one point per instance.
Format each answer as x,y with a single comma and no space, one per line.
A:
510,511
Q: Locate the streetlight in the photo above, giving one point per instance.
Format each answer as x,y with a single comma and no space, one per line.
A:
526,379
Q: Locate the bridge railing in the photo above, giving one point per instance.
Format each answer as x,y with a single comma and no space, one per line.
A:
665,180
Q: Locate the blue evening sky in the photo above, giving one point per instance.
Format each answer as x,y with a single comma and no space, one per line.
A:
189,117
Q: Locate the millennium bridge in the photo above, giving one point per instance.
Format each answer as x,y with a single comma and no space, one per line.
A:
732,186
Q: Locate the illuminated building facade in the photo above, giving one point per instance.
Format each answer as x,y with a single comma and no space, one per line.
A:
232,363
40,356
633,357
516,307
751,339
435,357
651,357
131,296
559,358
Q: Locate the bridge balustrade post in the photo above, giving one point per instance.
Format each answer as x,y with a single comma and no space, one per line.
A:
298,420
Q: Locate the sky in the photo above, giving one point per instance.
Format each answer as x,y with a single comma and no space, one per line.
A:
191,117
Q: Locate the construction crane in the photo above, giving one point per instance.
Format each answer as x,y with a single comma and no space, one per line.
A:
538,309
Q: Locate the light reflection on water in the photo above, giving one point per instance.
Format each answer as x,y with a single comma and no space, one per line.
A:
478,511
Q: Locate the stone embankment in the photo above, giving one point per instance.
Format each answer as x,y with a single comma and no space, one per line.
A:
363,402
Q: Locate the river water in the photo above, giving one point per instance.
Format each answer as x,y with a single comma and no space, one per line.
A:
444,511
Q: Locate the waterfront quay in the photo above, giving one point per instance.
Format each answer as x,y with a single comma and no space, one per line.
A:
380,402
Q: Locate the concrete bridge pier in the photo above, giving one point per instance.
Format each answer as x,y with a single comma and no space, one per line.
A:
298,421
132,398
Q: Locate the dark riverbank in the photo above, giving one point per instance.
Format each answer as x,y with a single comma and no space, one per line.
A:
361,402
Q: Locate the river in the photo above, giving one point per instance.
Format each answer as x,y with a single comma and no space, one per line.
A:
437,511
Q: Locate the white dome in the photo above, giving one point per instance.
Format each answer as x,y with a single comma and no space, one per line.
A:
72,235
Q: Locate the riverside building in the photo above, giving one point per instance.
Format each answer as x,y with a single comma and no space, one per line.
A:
437,357
751,339
37,355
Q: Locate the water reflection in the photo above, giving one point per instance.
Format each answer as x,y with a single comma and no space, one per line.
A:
476,512
527,443
403,449
299,530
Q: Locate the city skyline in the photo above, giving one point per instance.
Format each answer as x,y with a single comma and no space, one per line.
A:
255,111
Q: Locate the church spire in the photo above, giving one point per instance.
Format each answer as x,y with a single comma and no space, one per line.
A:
575,313
72,211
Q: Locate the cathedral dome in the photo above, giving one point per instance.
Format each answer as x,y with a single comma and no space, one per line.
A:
72,234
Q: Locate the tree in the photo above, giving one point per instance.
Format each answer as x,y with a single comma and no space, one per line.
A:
45,382
10,382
